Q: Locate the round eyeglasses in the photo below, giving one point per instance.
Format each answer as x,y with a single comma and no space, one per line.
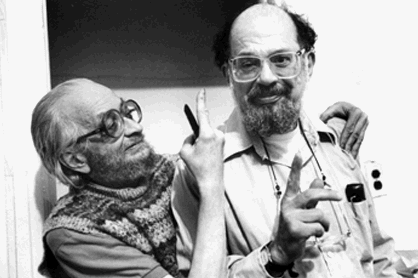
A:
284,65
113,123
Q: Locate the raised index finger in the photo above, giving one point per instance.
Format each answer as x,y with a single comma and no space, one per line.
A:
202,112
293,183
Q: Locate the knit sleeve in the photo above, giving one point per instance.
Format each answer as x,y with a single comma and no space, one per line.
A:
89,256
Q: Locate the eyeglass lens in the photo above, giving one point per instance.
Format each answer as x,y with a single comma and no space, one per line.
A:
113,123
285,65
131,110
113,120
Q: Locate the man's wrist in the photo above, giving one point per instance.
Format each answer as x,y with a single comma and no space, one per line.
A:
273,269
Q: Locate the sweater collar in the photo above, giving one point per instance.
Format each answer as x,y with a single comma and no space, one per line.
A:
123,194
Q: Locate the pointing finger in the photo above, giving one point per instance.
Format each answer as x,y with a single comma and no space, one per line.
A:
309,198
293,183
202,112
316,184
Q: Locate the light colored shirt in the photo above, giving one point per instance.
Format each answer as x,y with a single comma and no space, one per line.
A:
88,256
252,206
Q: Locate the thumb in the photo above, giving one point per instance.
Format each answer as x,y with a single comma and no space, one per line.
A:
187,149
293,183
317,184
332,111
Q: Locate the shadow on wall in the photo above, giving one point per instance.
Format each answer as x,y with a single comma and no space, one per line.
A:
45,192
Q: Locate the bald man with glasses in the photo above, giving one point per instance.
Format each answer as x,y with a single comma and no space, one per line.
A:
297,204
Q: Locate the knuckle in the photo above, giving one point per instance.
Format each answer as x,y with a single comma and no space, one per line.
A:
319,231
349,128
307,195
320,214
286,215
293,228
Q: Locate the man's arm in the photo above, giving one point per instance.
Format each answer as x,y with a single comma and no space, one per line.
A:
185,202
88,256
185,206
204,157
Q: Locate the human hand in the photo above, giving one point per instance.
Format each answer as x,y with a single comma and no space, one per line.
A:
204,155
299,219
357,121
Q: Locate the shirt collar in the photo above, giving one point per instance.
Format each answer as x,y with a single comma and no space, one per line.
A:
237,139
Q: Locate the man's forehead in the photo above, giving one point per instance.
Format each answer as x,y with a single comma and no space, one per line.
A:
89,100
263,24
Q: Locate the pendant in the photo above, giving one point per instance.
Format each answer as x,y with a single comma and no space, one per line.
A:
278,191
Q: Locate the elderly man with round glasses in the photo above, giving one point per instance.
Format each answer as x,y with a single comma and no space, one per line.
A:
297,204
116,220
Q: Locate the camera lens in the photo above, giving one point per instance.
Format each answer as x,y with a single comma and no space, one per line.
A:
378,185
375,173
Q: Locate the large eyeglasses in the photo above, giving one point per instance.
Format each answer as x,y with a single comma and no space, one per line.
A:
284,65
112,122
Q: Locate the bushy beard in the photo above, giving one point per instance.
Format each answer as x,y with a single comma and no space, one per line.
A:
115,169
267,119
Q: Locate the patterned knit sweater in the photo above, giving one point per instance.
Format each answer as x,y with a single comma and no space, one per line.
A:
140,217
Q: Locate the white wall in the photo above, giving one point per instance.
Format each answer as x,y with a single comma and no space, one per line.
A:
25,194
365,55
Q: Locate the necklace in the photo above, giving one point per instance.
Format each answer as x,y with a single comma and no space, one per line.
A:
277,190
343,235
276,186
313,154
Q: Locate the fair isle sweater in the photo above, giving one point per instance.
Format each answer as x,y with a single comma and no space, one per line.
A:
140,217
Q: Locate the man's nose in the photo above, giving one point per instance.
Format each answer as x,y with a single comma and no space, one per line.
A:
132,127
267,76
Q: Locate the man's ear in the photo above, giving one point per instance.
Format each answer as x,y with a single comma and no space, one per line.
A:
75,161
224,69
225,73
311,62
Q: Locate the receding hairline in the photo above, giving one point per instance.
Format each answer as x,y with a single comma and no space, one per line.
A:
262,10
261,20
80,94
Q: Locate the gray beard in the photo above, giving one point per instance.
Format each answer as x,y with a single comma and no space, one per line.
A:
266,120
122,173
